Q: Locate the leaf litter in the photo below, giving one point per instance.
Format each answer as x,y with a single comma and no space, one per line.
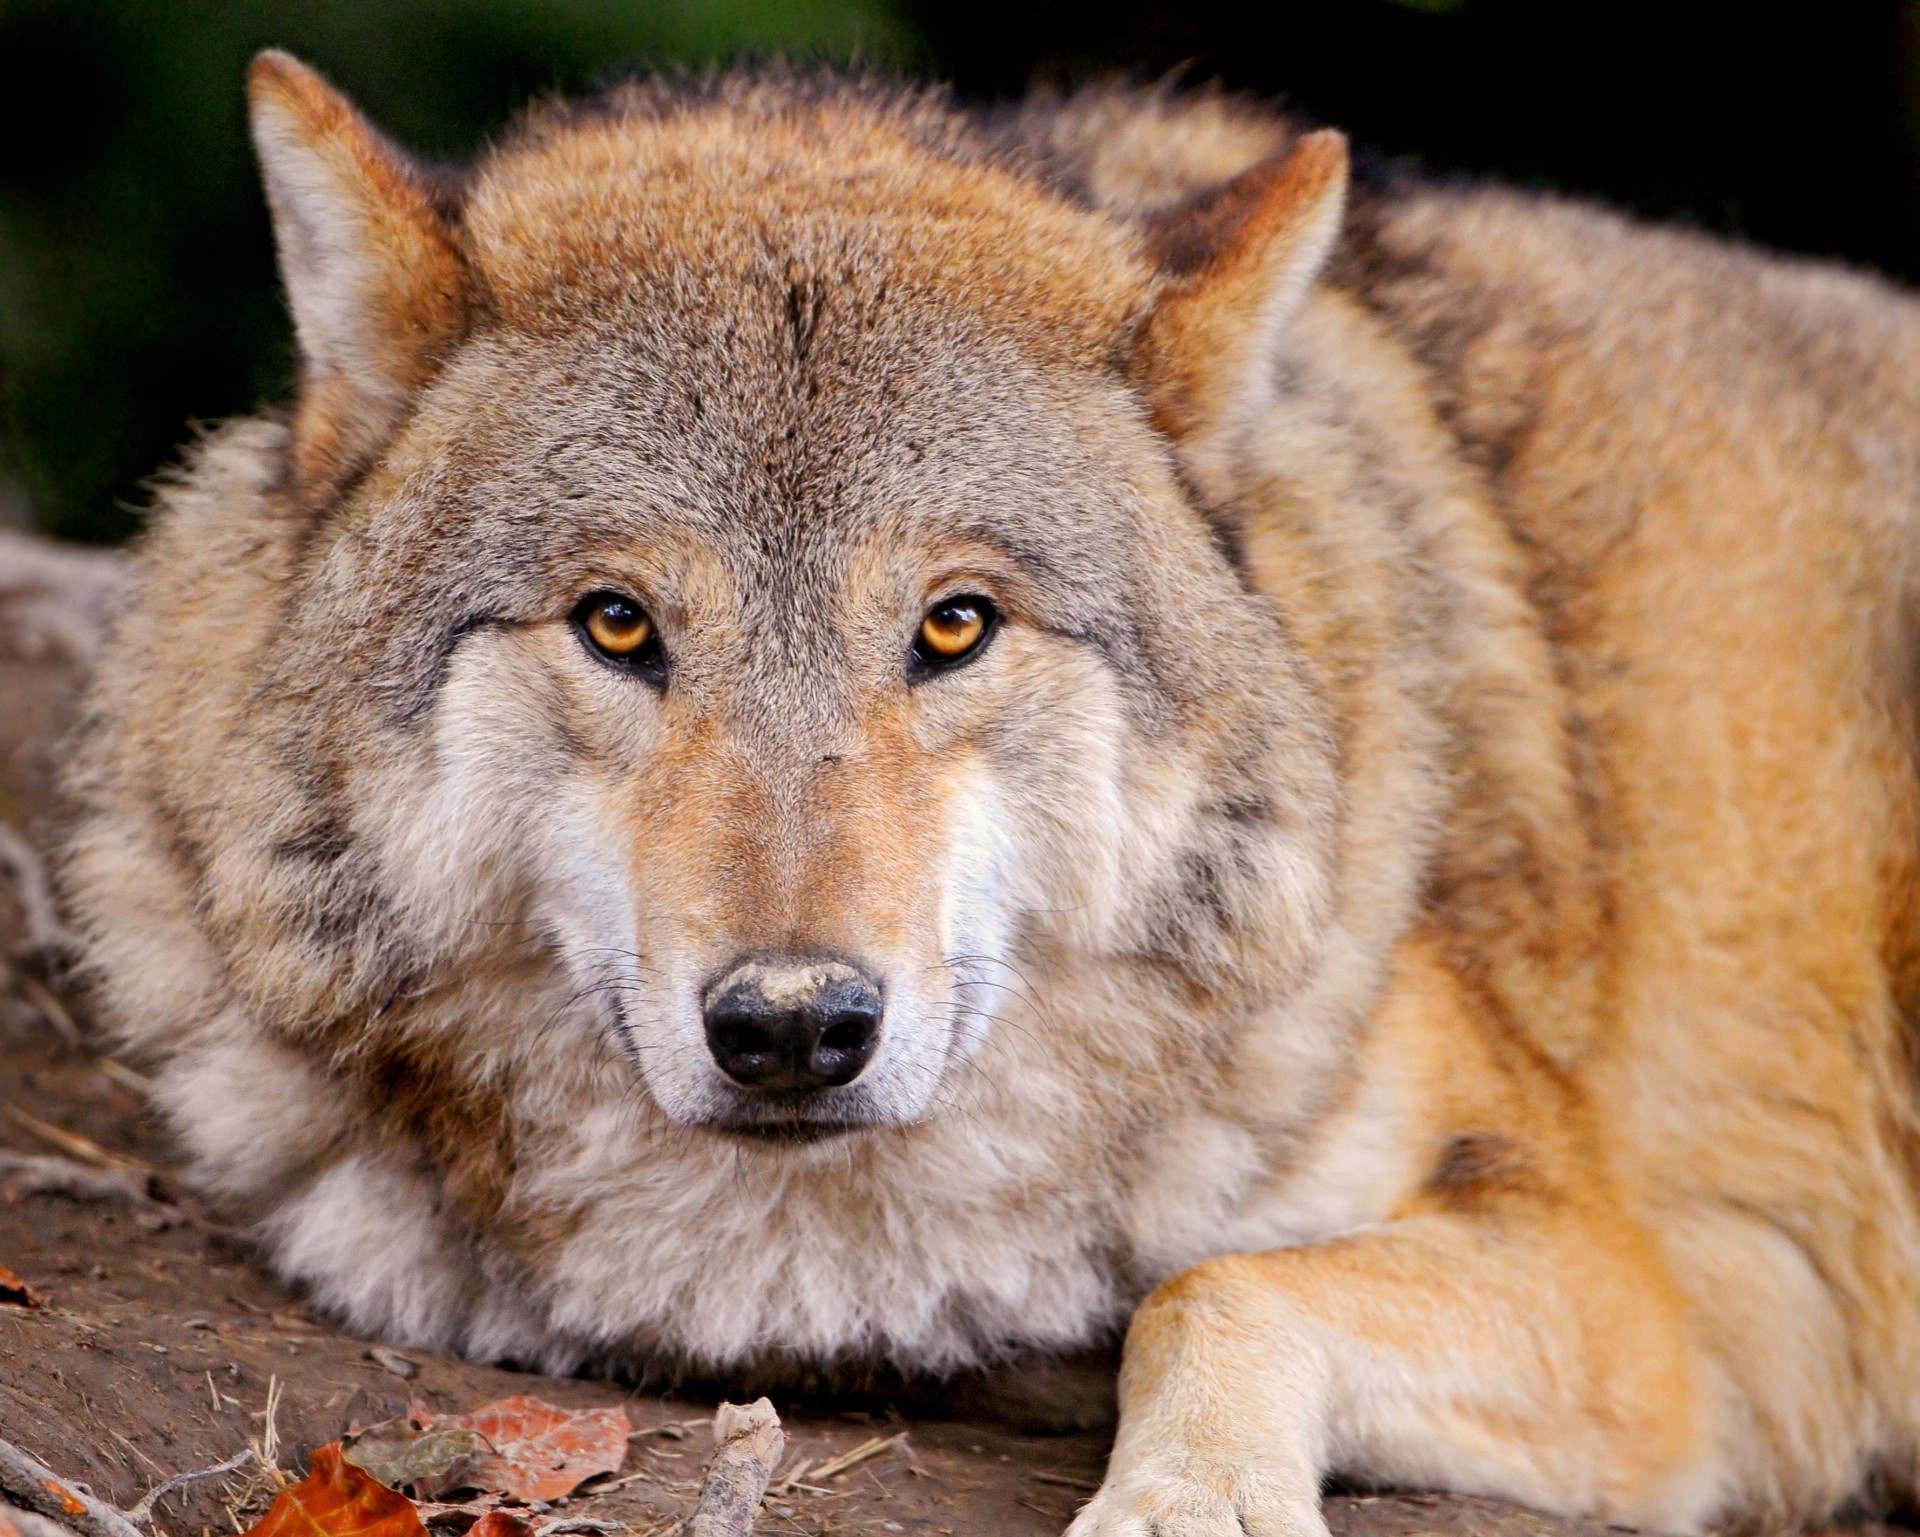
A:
403,1455
520,1448
386,1479
339,1499
15,1292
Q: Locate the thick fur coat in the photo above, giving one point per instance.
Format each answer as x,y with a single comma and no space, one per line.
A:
1410,900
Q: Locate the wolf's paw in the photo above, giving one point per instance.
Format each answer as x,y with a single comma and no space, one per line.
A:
1143,1504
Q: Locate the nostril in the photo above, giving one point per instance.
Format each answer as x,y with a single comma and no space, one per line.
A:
844,1047
741,1039
849,1032
745,1051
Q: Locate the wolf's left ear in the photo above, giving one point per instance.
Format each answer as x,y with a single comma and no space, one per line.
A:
373,275
1240,262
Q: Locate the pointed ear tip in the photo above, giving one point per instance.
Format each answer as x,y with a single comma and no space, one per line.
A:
277,78
1329,141
274,69
1323,155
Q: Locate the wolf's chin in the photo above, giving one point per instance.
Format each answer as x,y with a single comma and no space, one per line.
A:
802,1119
795,1133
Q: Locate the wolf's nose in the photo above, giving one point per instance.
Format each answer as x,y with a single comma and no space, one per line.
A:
793,1024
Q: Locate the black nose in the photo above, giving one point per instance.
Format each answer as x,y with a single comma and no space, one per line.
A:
793,1024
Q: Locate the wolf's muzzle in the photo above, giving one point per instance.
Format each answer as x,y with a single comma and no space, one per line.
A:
787,1025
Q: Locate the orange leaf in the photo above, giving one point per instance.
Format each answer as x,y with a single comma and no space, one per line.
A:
15,1292
336,1499
539,1452
500,1523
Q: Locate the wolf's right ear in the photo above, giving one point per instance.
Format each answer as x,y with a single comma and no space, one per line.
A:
373,274
1239,264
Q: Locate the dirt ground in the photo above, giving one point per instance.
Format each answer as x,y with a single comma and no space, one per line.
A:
158,1337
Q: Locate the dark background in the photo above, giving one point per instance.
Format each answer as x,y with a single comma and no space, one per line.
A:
136,285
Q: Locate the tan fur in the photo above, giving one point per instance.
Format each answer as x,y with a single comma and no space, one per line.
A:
1415,905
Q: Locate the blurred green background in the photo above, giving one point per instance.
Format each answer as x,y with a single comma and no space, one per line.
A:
136,282
136,285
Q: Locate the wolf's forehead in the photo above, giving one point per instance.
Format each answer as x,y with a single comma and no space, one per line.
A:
623,212
780,452
788,434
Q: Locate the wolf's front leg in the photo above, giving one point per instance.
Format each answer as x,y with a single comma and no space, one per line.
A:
1542,1359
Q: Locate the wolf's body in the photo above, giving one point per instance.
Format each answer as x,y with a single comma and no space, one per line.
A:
1415,904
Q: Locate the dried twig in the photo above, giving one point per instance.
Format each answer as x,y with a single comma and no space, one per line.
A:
49,1006
72,1143
126,1077
750,1442
864,1452
142,1514
644,1476
30,1483
673,1430
266,1450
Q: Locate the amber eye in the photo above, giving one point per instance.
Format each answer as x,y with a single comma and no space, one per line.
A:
618,629
952,631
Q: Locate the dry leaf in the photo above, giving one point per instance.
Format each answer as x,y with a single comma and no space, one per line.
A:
337,1499
539,1452
462,1516
15,1292
403,1455
500,1523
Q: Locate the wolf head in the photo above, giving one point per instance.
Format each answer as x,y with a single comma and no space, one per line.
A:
748,559
804,748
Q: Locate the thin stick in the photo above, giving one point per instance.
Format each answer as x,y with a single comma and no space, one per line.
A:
795,1471
27,1480
126,1077
1087,1485
136,1450
612,1484
750,1443
864,1452
266,1451
51,1008
73,1144
142,1514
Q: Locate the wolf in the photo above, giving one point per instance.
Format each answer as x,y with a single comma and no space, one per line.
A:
837,732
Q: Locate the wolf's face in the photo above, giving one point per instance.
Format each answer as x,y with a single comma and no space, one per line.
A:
775,604
793,676
790,685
